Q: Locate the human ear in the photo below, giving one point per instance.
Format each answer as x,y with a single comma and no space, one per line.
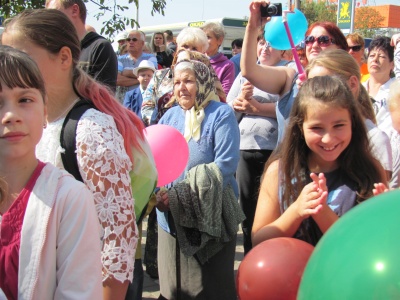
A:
75,10
354,84
65,56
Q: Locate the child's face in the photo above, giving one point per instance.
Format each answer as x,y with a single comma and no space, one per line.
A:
23,115
144,77
327,132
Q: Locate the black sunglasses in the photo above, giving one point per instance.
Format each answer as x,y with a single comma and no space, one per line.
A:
322,40
132,39
355,48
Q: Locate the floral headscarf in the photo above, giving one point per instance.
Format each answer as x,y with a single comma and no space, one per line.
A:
204,94
184,54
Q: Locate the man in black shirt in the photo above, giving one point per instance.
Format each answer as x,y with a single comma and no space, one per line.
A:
97,58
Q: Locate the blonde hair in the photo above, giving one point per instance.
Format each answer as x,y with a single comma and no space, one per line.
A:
344,65
356,38
192,35
216,28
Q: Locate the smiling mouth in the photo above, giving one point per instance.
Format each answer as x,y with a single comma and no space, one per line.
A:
329,149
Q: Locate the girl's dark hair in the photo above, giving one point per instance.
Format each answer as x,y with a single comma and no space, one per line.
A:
51,30
19,70
238,43
356,160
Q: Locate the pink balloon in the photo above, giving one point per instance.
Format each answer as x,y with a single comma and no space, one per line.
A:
170,151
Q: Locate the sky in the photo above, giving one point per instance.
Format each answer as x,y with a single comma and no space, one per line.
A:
178,11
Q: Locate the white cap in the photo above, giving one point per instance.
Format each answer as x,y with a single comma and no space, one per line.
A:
144,64
121,36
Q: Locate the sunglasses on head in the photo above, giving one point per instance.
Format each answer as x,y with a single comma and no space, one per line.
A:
322,40
131,39
355,48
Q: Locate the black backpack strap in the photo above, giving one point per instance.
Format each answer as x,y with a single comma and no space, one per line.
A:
68,137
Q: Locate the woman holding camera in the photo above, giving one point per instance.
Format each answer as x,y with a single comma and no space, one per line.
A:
281,80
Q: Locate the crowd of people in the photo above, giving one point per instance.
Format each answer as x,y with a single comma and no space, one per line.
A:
277,153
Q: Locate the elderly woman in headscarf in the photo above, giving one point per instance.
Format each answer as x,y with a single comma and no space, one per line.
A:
159,92
199,215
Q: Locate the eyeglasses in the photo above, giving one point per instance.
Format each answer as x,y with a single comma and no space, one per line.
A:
322,40
267,45
132,39
355,48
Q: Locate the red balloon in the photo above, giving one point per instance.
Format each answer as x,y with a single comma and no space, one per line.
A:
273,270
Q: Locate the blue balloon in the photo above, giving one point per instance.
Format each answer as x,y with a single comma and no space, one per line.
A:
275,31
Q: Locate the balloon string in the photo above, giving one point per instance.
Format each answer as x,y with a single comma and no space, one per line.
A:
295,55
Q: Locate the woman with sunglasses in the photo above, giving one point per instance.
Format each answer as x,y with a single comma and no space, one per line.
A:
356,49
281,80
321,36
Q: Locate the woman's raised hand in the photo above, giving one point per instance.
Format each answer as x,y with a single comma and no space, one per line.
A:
255,19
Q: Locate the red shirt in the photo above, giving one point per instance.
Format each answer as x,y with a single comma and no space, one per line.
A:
10,237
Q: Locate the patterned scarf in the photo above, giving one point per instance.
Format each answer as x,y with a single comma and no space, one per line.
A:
204,94
184,54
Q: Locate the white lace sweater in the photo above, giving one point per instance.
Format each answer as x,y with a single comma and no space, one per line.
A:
104,166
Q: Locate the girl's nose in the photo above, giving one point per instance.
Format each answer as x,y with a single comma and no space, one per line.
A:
10,116
327,137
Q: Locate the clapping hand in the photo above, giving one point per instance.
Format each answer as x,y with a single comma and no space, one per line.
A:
313,196
380,188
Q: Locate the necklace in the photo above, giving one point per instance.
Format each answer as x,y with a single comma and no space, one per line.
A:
65,112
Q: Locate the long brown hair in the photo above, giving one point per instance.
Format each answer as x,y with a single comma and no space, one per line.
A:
52,30
356,160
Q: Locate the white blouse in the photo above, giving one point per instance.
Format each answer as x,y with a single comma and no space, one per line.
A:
104,166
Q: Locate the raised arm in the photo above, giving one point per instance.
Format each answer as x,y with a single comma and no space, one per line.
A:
274,80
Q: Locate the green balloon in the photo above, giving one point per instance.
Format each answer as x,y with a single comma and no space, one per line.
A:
359,257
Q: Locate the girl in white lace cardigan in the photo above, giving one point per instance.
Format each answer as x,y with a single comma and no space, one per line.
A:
104,136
